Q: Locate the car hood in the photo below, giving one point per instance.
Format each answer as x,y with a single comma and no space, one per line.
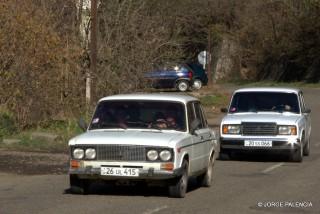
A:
125,137
285,118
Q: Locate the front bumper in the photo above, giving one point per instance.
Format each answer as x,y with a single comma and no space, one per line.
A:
277,144
147,171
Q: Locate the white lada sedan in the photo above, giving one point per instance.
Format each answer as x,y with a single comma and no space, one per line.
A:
153,138
267,119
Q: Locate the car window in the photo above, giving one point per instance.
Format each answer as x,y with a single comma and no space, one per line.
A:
139,114
191,113
303,105
264,101
199,115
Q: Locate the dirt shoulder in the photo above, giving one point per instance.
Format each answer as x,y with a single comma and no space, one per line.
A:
33,163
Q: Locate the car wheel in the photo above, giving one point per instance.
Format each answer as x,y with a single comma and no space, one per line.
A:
182,85
179,188
197,84
223,155
297,156
306,148
205,180
79,186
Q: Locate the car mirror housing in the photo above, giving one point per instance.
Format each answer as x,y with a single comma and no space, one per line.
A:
307,111
194,126
82,124
224,110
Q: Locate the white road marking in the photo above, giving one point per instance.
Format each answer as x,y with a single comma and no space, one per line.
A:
269,169
155,210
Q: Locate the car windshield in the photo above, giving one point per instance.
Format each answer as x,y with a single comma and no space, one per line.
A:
264,101
128,114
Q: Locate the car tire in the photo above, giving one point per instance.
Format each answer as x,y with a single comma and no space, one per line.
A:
297,156
205,180
197,84
179,188
306,148
182,85
79,186
223,155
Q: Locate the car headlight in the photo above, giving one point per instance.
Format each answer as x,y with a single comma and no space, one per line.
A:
78,153
152,155
91,153
287,130
231,129
165,155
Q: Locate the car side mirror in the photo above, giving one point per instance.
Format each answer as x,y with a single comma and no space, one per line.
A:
307,111
82,124
194,126
224,110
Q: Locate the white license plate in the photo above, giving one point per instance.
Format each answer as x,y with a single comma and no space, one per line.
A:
258,143
117,171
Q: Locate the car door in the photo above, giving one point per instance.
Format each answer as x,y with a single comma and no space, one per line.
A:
205,135
306,115
201,139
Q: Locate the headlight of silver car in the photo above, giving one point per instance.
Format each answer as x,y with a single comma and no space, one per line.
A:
90,153
231,129
78,153
287,130
165,155
152,155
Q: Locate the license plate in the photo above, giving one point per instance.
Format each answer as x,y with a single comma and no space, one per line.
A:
258,143
117,171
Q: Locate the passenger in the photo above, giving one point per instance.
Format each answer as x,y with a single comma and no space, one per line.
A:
159,121
171,122
121,118
161,124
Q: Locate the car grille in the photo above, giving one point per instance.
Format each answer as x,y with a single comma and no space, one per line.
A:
121,153
256,129
117,152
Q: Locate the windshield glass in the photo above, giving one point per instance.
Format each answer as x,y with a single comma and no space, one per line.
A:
139,115
264,101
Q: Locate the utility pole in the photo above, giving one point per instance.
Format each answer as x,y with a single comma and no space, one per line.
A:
93,52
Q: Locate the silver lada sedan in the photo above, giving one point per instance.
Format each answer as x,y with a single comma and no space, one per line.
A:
153,138
267,119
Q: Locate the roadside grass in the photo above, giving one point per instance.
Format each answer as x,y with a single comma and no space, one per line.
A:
217,100
59,132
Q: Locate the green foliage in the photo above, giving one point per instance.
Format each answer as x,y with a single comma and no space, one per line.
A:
64,128
7,124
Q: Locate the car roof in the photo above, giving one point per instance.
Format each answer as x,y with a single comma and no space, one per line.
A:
269,89
152,97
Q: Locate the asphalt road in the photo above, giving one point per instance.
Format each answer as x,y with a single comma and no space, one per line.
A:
249,184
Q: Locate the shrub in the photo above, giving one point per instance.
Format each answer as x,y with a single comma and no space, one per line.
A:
7,124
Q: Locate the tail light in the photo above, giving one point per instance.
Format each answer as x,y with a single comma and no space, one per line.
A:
190,74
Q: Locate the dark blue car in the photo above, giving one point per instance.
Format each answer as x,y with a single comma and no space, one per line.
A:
181,77
199,77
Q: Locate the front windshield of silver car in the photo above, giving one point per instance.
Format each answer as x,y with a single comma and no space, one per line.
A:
264,101
128,114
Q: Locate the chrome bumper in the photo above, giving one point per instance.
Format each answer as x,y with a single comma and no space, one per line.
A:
277,144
